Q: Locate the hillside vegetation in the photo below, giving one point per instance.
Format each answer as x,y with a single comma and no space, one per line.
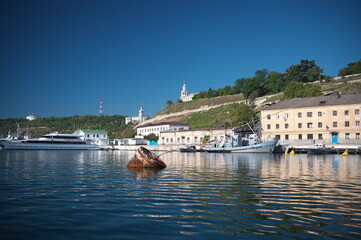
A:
113,124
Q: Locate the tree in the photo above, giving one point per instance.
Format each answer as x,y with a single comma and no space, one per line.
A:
169,102
301,90
242,115
201,94
351,68
275,82
306,71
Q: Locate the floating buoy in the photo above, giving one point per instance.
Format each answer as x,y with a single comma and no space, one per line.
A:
345,153
292,152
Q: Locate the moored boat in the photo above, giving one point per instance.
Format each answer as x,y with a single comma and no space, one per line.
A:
319,149
52,141
188,149
238,144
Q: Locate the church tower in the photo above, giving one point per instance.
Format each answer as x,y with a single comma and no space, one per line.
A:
184,91
141,114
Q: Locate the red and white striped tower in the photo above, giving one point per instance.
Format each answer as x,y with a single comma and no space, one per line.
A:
101,108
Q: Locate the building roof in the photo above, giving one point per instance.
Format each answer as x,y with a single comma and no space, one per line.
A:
164,123
329,100
93,131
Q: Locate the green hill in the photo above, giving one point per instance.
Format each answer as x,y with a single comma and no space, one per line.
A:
113,124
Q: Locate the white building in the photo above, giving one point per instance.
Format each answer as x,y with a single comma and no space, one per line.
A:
137,119
160,127
32,117
185,97
98,136
192,137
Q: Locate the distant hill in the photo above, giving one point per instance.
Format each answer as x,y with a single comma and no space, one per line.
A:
112,124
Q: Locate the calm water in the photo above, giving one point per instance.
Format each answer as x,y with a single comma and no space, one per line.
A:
92,195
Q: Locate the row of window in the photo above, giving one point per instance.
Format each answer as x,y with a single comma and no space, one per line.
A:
95,136
154,129
319,114
188,139
319,125
319,136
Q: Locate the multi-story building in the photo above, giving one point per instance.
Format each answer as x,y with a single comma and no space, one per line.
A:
192,137
327,119
159,127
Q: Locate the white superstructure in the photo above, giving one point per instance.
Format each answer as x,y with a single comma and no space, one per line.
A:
52,141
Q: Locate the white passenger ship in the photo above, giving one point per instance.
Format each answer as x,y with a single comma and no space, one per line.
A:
52,141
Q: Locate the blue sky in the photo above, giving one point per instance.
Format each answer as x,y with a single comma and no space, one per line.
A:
60,58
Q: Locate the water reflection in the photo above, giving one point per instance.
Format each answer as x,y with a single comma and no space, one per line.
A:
198,195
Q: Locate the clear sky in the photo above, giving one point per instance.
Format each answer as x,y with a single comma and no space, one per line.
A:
61,57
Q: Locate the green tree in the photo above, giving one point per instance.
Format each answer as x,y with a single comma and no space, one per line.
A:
169,102
301,90
152,137
242,115
306,71
275,82
351,68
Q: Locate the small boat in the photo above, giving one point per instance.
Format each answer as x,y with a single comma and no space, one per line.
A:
238,144
319,149
188,149
52,141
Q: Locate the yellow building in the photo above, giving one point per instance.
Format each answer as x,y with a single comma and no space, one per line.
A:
326,119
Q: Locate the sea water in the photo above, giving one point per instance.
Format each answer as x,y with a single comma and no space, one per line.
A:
93,195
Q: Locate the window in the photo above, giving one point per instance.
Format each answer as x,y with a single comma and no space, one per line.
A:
278,137
346,112
171,140
285,116
268,126
357,135
347,136
277,126
300,125
320,136
319,114
188,140
357,112
334,124
309,125
299,115
334,113
357,123
320,124
309,114
277,116
347,123
286,126
300,136
268,116
309,136
167,140
286,136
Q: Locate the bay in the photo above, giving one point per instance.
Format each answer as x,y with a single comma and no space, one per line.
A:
92,195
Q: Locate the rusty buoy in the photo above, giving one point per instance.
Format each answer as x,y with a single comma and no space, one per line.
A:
143,158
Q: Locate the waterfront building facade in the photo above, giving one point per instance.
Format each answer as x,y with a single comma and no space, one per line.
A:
160,127
328,119
97,136
192,137
185,97
137,119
